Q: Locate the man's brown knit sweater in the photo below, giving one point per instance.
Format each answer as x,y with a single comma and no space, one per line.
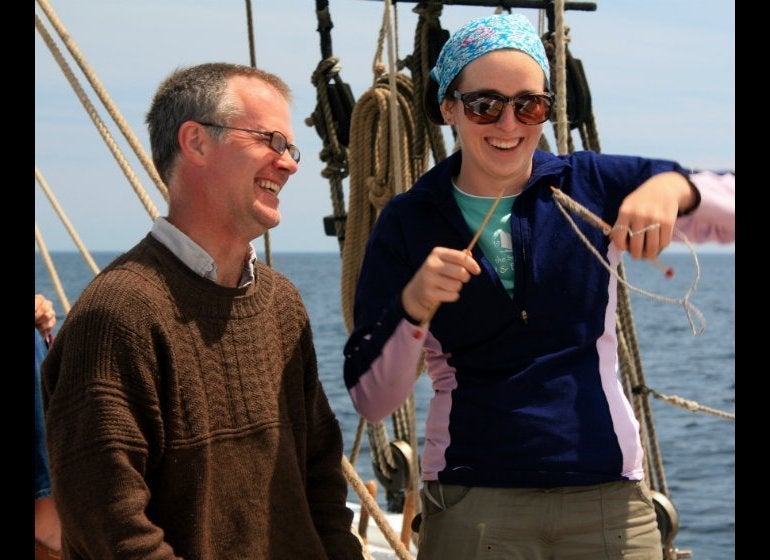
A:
187,420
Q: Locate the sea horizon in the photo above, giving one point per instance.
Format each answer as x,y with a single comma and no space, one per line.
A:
676,248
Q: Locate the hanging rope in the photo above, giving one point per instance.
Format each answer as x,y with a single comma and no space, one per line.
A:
334,153
331,119
393,121
429,37
562,126
631,366
573,109
383,134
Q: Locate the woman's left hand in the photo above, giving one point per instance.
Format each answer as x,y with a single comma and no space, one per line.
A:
645,223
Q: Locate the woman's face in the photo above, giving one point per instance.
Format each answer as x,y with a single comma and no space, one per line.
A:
496,155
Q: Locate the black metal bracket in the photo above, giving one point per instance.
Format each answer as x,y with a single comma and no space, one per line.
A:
508,4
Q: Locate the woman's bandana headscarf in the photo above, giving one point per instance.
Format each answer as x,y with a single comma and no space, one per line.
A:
482,35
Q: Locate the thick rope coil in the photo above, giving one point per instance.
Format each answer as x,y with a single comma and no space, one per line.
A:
382,454
327,71
372,177
371,185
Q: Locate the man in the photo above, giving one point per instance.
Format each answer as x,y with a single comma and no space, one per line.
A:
185,416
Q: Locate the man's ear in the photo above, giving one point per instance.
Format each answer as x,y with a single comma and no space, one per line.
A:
194,141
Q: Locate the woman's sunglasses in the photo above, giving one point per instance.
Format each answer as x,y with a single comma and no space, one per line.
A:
486,108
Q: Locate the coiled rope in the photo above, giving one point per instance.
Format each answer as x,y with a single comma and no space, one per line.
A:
374,180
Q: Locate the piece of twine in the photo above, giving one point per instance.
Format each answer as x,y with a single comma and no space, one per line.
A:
565,203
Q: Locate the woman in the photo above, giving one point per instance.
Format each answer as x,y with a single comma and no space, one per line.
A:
47,524
531,448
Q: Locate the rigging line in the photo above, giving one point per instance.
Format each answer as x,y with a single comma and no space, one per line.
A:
253,60
250,32
562,127
690,405
101,92
98,122
563,200
368,502
393,97
51,270
67,224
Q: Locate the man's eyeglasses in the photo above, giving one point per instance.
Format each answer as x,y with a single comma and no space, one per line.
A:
486,108
276,139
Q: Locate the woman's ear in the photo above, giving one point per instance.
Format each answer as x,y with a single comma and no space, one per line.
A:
447,112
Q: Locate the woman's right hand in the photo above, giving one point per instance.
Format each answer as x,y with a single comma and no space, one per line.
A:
45,316
438,280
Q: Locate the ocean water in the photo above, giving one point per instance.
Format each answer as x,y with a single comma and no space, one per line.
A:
698,449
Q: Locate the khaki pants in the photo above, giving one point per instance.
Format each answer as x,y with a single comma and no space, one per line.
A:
614,520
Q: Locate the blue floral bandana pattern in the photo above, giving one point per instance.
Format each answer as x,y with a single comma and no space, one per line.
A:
482,35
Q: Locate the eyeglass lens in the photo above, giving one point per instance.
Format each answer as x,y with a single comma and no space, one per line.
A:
279,143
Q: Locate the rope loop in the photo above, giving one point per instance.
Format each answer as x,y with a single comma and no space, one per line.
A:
327,70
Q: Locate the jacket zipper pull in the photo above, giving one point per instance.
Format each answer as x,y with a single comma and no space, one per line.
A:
524,316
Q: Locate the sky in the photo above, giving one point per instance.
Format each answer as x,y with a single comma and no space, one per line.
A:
661,75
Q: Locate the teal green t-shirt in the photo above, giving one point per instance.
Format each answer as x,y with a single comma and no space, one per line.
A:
495,239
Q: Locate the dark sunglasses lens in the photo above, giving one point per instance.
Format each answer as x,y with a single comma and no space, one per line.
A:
532,109
482,109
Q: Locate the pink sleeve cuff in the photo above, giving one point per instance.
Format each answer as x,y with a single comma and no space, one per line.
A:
714,218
